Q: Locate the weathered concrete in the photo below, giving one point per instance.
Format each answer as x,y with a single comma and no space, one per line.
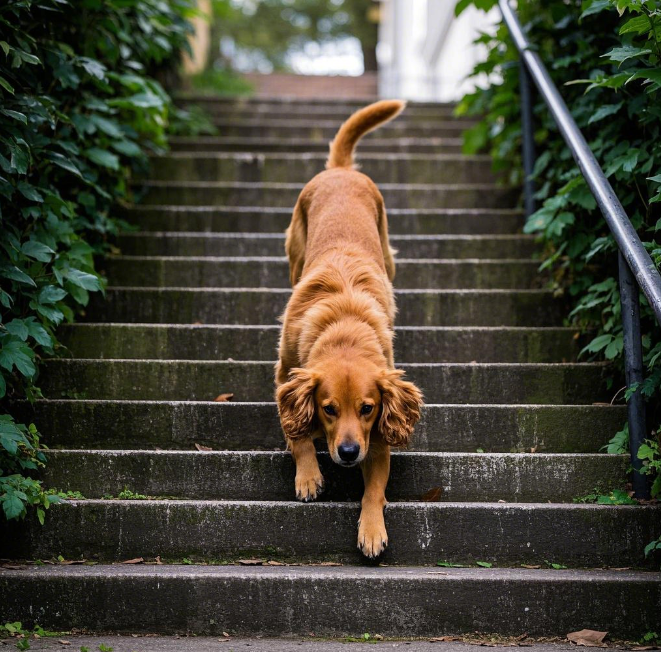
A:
273,271
331,601
184,243
412,343
431,145
264,306
203,380
300,168
153,643
222,193
418,533
326,130
129,424
269,219
253,475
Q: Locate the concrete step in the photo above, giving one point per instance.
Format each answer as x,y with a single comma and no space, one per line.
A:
254,475
264,306
418,533
266,220
429,145
183,243
421,196
276,127
204,380
273,272
300,168
331,601
272,107
284,103
255,426
412,343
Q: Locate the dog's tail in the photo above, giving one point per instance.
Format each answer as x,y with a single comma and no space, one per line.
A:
361,122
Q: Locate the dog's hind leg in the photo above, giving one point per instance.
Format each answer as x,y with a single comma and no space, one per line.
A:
388,251
372,535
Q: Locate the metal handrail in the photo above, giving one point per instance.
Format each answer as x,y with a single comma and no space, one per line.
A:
636,268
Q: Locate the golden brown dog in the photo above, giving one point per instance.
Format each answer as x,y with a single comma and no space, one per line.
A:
336,376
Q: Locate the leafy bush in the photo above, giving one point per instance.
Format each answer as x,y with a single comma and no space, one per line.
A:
78,113
605,57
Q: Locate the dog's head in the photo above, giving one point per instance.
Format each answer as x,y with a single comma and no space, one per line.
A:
348,401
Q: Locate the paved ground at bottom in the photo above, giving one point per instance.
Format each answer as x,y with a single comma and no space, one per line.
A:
208,644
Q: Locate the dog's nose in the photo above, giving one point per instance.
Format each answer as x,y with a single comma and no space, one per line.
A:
348,452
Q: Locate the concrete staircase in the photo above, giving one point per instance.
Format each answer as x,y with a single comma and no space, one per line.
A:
511,433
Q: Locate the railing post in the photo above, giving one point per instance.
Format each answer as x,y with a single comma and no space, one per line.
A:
633,368
527,137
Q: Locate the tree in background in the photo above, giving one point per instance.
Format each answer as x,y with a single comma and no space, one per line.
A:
265,32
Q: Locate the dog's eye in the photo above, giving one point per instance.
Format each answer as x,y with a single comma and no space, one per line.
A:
366,409
329,410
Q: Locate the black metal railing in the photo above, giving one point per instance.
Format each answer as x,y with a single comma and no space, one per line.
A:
636,268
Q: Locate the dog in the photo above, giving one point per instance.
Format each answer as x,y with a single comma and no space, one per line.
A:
335,376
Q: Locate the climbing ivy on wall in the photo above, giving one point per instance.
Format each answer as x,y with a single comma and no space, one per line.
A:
605,57
79,112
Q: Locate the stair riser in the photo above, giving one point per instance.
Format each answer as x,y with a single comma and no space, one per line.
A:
237,426
326,131
274,273
212,343
332,602
424,533
300,169
180,306
195,244
270,476
286,195
167,218
302,146
203,381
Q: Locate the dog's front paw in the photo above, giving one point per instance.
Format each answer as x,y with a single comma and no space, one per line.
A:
308,487
372,537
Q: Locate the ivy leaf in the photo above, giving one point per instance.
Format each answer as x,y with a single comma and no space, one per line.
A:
604,111
29,192
93,67
18,328
6,85
12,506
637,24
17,354
596,7
83,279
51,294
103,157
38,333
38,251
626,52
15,274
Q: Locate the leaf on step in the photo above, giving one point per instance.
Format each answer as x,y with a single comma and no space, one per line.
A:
274,563
63,642
433,495
329,563
72,562
443,639
137,560
588,638
222,398
531,566
226,635
14,566
203,448
250,562
158,560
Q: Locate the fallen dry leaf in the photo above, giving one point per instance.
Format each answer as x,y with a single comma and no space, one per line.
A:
588,638
226,635
221,398
250,562
645,647
442,639
14,566
275,563
202,448
433,495
530,566
63,642
330,563
137,560
72,562
158,560
436,573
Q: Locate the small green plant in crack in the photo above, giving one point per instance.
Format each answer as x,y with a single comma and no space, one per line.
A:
105,648
613,497
65,495
449,564
127,494
651,638
554,566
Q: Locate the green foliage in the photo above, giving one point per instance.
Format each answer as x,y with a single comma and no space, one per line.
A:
78,113
605,57
220,82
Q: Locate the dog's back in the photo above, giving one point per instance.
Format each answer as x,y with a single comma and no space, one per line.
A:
342,208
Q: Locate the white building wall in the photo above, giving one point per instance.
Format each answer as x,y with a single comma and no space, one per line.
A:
425,53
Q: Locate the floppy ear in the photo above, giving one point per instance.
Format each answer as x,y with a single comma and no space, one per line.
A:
400,407
296,404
